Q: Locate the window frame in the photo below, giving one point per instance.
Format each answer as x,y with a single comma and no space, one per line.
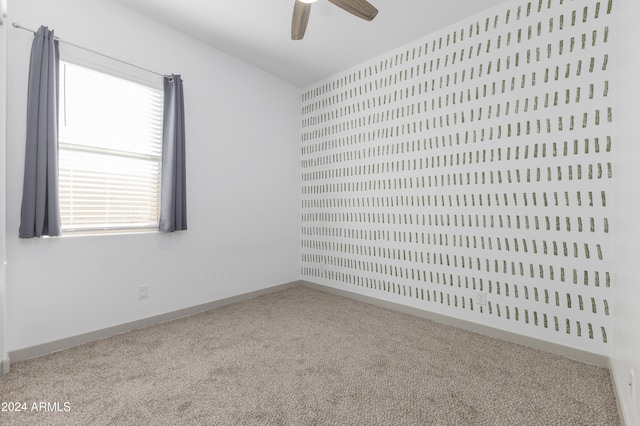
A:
110,67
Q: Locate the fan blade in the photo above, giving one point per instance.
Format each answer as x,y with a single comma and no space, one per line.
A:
300,19
360,8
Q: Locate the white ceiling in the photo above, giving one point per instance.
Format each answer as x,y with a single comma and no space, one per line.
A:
259,31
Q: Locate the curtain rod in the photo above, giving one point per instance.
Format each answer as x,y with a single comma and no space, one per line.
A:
16,25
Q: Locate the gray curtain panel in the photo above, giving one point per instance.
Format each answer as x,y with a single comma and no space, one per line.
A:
40,214
173,206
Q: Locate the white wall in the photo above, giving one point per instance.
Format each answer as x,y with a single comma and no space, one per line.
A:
243,186
475,159
626,323
3,134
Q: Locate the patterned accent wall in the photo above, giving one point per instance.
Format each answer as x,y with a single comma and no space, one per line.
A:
475,162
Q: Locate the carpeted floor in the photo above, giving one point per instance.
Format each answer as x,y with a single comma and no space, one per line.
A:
305,357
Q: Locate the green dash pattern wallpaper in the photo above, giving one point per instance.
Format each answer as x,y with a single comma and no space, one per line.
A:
474,161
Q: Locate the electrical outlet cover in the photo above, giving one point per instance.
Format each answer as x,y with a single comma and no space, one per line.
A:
481,298
143,292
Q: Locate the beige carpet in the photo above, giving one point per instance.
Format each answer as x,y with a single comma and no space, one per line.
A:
304,357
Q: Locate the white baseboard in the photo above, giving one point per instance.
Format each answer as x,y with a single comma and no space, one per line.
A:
4,366
554,348
69,342
66,343
629,414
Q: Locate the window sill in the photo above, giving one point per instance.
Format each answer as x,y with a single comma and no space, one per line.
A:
112,231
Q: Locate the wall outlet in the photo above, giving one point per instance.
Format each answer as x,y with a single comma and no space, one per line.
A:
143,292
481,298
632,384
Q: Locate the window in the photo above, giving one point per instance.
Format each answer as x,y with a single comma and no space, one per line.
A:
110,152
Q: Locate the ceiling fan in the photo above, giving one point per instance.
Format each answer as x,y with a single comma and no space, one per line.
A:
302,8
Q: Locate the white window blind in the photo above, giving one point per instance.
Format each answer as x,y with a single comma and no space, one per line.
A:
110,151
